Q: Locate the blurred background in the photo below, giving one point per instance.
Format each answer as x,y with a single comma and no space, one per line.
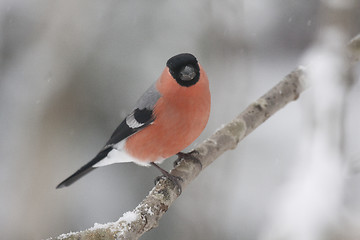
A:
70,71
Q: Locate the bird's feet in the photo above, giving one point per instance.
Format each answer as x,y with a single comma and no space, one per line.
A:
187,156
174,179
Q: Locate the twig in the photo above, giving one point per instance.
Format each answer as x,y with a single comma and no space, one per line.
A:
354,47
148,213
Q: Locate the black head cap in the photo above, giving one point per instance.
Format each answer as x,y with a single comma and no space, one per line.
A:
184,68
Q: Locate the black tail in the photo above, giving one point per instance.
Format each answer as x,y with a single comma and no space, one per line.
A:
84,169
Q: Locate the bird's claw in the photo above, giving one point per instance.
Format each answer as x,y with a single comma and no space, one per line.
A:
174,179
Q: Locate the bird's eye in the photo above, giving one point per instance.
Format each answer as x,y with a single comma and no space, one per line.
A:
187,73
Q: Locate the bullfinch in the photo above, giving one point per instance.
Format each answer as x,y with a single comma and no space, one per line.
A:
167,118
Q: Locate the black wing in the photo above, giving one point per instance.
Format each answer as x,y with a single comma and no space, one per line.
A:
137,120
134,122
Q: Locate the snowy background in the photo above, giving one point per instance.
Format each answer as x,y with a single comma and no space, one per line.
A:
71,70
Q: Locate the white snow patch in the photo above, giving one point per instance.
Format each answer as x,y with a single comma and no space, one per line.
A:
110,225
150,212
129,217
66,235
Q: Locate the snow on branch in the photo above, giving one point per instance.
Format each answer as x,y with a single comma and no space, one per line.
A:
147,214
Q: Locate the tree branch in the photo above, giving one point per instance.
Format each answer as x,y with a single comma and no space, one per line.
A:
354,48
148,213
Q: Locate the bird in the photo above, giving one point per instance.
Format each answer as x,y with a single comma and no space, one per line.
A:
166,119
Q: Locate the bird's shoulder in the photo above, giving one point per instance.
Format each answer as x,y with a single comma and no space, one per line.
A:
139,118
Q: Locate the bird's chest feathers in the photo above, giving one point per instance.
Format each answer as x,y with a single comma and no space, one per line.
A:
181,112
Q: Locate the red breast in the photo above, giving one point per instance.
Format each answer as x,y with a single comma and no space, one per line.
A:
181,114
